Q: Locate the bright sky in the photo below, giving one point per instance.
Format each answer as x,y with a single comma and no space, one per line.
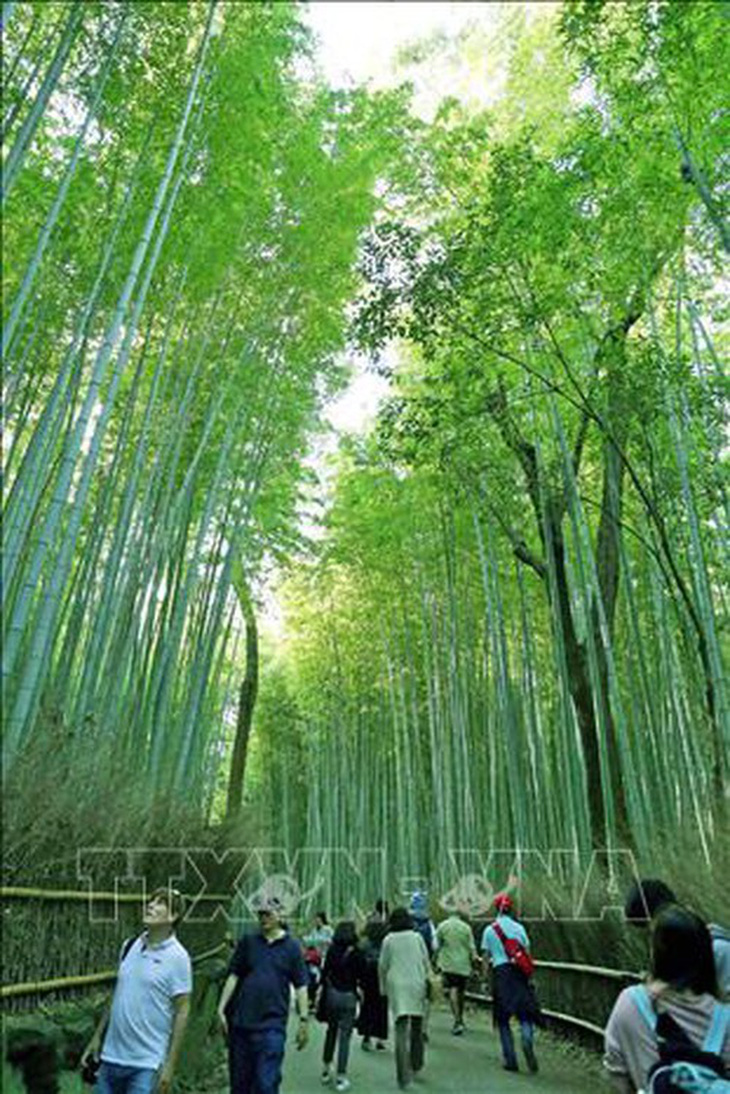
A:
358,41
357,44
360,37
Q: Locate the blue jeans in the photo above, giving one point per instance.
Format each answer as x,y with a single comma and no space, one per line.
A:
508,1045
121,1079
254,1060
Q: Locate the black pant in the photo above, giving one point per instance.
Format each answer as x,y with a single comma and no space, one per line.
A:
408,1047
341,1009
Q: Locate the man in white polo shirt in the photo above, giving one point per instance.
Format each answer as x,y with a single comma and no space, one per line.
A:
149,1009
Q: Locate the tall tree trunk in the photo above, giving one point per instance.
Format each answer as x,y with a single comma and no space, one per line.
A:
608,570
582,694
246,698
549,510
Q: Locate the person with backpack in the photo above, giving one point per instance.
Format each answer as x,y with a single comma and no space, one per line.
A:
506,947
648,895
342,979
138,1039
671,1034
372,1021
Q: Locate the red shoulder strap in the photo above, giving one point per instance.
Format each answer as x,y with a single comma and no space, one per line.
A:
499,932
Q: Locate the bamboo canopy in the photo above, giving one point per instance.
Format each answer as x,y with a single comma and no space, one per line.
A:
502,605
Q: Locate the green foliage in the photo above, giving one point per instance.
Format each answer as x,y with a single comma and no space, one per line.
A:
177,269
517,619
526,550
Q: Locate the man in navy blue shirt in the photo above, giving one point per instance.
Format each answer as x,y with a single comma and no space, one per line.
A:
264,967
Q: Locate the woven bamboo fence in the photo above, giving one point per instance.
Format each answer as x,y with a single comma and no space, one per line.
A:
57,946
57,942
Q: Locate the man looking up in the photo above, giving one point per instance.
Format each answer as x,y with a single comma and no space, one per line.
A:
264,966
149,1008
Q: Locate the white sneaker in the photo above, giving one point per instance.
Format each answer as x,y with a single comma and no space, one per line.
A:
326,1076
343,1083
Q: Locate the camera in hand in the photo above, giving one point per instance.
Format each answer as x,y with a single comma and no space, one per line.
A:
90,1070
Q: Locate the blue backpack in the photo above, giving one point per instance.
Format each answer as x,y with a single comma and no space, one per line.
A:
682,1067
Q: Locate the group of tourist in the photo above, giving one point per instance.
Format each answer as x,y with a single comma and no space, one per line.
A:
672,1028
392,970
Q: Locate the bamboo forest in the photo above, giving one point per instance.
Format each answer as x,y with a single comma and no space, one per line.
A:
489,613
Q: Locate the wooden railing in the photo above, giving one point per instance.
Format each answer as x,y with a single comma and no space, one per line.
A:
590,970
92,979
88,980
14,892
622,975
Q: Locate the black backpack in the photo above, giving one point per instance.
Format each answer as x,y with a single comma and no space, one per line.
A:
683,1068
128,943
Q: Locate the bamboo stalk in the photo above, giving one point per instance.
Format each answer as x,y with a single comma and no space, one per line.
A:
16,155
19,892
